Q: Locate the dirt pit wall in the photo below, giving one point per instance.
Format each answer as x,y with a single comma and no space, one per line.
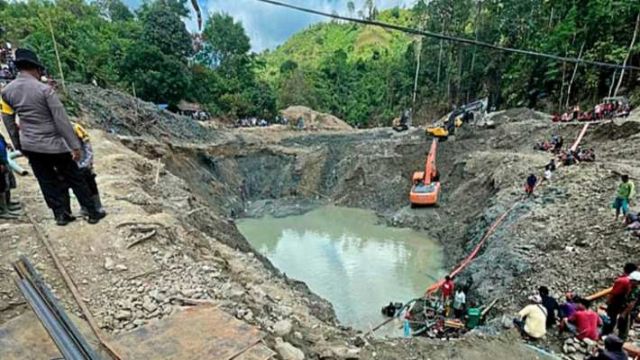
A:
482,172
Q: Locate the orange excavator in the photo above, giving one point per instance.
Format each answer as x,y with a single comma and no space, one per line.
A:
426,184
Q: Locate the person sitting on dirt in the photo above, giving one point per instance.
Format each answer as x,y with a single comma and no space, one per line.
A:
587,155
555,117
530,185
613,350
473,316
618,295
626,191
459,302
631,217
584,323
598,112
575,112
550,304
568,308
570,158
558,145
551,165
543,146
532,319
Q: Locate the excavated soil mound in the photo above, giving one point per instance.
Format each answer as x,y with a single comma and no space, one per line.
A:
517,114
315,120
611,131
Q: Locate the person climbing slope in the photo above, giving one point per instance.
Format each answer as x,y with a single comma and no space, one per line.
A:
530,185
626,191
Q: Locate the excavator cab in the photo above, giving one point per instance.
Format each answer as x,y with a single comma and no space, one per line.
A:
438,132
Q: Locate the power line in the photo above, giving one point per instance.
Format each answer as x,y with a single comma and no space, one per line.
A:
451,38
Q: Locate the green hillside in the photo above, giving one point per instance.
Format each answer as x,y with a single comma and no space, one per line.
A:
358,73
313,46
365,74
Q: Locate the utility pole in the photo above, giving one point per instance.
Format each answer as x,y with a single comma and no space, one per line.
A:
573,76
626,59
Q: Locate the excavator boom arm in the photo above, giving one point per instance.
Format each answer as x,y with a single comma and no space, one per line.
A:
430,170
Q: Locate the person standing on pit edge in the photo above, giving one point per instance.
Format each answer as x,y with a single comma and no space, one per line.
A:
626,191
45,137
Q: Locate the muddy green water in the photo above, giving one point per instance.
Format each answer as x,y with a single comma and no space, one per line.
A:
346,257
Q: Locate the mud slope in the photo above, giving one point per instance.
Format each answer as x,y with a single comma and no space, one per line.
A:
482,172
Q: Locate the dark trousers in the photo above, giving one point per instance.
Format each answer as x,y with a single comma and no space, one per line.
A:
55,173
90,179
612,311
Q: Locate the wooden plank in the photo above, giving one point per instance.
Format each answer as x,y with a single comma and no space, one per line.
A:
201,332
24,338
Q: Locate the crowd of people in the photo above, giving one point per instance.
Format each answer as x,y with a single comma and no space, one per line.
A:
59,152
255,122
576,316
446,313
608,109
8,70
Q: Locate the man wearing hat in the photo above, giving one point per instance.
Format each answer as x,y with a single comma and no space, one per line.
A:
46,137
532,319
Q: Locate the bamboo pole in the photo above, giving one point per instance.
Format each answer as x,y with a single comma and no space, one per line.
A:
55,48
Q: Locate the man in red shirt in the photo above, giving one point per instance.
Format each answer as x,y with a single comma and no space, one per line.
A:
617,297
446,290
584,322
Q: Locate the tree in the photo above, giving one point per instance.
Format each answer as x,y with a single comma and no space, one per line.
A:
288,66
114,10
226,43
178,7
164,29
158,77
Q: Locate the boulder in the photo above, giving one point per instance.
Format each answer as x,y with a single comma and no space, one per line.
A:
282,328
288,351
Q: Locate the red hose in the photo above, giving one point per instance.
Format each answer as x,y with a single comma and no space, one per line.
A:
434,287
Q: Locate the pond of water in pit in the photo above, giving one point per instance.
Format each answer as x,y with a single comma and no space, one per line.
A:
345,256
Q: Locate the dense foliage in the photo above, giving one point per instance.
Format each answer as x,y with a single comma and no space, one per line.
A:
375,81
149,52
363,74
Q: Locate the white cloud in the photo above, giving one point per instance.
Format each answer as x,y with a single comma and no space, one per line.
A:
269,26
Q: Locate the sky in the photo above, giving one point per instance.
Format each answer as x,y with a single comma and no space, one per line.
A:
269,26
